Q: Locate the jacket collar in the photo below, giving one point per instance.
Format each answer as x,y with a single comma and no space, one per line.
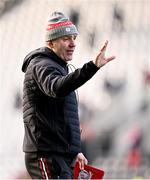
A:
55,57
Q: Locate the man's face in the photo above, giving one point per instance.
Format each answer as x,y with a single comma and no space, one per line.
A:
64,47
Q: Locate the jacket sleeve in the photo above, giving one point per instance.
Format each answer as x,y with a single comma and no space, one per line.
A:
51,81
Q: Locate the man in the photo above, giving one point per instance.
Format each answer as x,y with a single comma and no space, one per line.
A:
52,134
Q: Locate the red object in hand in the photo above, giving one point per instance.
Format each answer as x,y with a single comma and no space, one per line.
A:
89,172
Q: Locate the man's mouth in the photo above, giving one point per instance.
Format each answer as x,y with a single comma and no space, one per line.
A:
70,52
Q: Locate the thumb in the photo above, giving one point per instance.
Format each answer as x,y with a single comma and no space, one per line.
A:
111,58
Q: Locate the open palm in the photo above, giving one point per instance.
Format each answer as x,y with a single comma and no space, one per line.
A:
101,60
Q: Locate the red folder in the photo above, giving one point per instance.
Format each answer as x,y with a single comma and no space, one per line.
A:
90,172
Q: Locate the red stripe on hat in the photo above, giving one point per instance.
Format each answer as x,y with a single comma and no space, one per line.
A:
53,26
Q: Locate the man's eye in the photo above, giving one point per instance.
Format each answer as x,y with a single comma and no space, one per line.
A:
65,38
75,37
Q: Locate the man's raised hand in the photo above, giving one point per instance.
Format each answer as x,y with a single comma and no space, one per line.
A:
101,60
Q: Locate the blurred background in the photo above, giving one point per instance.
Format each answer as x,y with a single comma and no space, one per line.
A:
114,106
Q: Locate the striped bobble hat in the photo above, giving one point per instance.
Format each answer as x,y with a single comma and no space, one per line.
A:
59,25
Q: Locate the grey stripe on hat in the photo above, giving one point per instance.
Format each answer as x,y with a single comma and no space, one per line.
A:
60,32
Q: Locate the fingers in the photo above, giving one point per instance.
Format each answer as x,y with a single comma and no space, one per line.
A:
82,162
81,165
101,59
104,47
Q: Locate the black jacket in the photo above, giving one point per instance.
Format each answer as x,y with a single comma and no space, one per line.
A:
50,109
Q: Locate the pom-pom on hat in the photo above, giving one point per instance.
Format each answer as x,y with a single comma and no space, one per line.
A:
58,26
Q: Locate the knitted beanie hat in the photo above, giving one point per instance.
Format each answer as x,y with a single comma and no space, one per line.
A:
59,25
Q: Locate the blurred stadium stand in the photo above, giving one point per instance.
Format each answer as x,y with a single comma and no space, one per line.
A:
112,105
7,5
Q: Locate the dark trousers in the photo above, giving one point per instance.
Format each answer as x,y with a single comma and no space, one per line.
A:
48,167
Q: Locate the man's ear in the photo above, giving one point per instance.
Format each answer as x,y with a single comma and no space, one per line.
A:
50,44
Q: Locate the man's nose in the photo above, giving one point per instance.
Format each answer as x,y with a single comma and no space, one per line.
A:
72,43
